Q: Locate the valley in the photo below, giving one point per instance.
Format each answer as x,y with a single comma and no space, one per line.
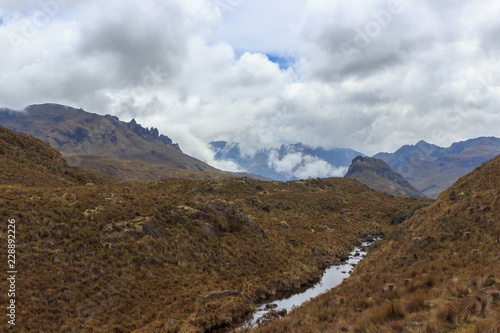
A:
219,166
333,276
201,250
174,255
435,272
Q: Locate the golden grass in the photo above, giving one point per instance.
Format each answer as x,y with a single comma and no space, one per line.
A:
126,256
443,263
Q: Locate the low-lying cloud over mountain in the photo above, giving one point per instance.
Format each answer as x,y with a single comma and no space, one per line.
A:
298,165
324,73
292,161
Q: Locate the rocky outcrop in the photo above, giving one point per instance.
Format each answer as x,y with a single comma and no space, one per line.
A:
151,134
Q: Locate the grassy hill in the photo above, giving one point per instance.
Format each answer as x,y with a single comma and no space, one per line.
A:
177,255
27,161
436,272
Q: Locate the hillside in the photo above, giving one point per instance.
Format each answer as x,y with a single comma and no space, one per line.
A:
289,162
174,255
436,272
27,161
79,134
378,175
432,169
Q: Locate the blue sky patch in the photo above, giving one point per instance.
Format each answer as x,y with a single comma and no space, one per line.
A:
284,63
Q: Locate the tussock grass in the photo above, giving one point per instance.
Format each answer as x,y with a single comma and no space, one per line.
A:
443,263
105,255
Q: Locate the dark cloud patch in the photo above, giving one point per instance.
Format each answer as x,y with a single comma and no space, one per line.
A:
137,44
490,37
367,66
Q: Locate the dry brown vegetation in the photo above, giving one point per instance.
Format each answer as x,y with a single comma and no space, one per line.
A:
179,255
27,161
437,272
138,171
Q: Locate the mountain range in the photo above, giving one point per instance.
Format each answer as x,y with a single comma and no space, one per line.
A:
428,168
129,151
432,169
177,255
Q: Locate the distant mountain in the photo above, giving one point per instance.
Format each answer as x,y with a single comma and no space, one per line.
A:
99,143
289,162
376,174
432,169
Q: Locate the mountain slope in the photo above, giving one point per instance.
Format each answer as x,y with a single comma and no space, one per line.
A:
289,162
378,175
75,133
436,272
25,160
178,255
432,169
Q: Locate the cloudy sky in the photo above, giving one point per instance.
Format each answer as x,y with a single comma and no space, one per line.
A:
370,75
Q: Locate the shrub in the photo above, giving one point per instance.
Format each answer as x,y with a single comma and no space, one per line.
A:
236,222
417,207
399,217
489,281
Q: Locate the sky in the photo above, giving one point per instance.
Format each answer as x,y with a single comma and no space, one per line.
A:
369,75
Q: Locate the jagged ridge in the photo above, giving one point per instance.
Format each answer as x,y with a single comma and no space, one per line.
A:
76,133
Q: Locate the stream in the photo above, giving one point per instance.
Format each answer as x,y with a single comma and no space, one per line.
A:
332,277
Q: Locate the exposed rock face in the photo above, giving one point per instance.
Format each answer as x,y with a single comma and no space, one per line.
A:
151,133
378,175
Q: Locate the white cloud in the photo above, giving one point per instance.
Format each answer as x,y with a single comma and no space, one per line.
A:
303,166
197,70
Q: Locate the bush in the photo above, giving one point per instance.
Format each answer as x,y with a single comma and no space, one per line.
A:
236,222
399,217
417,207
